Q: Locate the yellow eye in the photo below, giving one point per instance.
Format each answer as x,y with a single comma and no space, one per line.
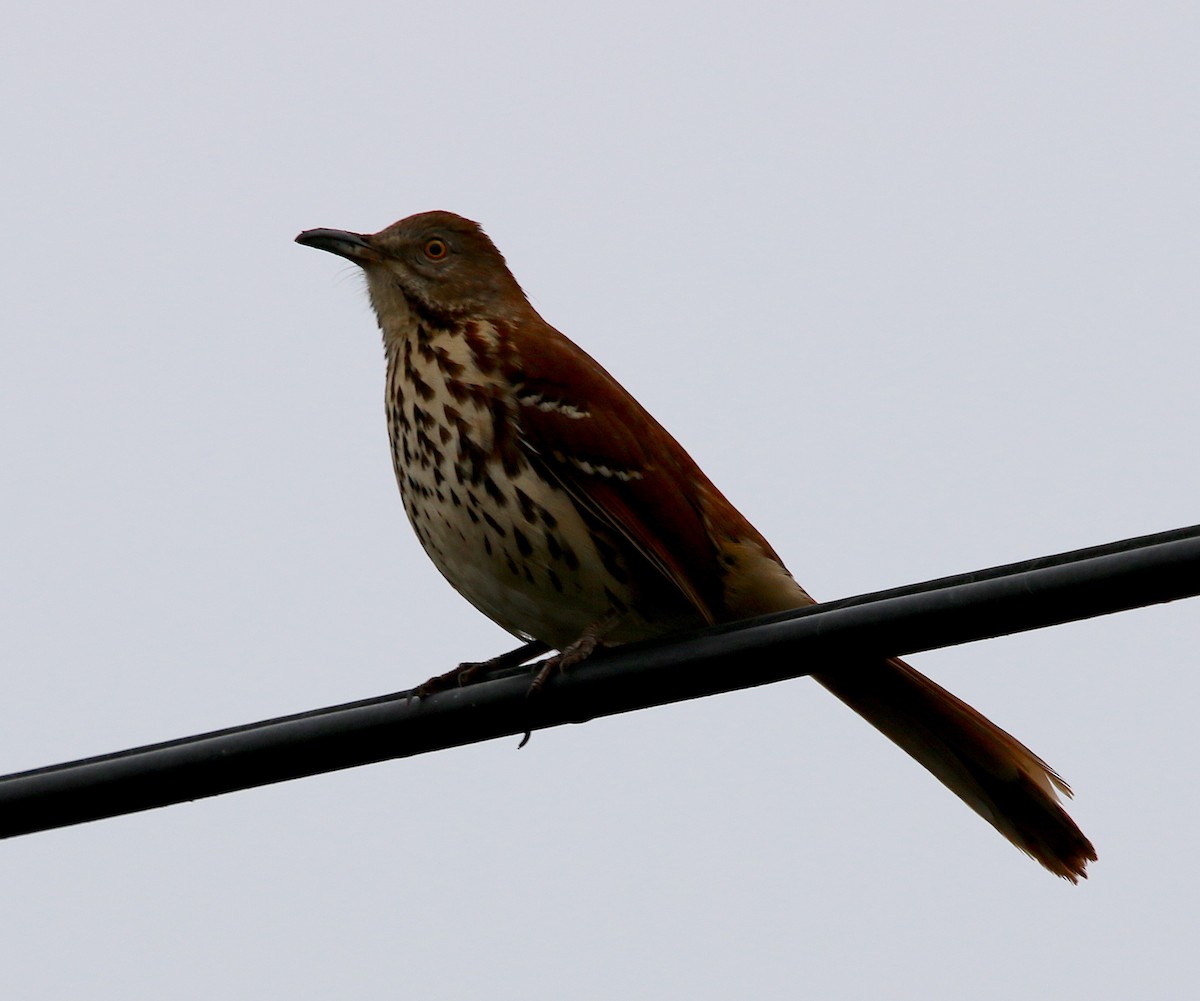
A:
436,249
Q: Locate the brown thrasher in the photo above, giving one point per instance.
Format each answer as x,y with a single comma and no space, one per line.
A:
555,504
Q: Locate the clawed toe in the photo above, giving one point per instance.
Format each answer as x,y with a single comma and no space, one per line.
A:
576,653
456,678
471,671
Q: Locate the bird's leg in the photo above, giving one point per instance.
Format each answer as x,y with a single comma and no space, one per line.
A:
569,656
469,670
574,653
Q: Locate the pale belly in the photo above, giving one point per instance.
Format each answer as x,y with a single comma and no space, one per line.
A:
511,543
509,562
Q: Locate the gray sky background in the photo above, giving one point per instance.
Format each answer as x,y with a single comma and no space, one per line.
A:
915,283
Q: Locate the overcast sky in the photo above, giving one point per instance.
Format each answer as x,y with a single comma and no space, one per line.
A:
916,285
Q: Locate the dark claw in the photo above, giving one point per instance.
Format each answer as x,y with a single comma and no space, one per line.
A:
468,672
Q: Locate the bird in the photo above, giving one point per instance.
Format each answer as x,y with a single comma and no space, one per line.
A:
562,510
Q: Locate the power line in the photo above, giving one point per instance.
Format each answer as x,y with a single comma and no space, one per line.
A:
1046,591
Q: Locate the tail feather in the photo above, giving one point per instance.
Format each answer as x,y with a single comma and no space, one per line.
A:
991,771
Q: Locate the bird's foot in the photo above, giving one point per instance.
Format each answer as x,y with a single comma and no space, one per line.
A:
568,657
471,671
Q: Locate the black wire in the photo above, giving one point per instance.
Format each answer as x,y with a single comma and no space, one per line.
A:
987,603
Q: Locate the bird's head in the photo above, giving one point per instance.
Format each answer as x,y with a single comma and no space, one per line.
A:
442,266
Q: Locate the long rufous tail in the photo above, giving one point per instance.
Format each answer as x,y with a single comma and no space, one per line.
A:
991,771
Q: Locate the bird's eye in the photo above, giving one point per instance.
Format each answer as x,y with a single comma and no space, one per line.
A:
436,249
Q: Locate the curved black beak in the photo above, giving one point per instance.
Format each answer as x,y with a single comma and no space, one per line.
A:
353,246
